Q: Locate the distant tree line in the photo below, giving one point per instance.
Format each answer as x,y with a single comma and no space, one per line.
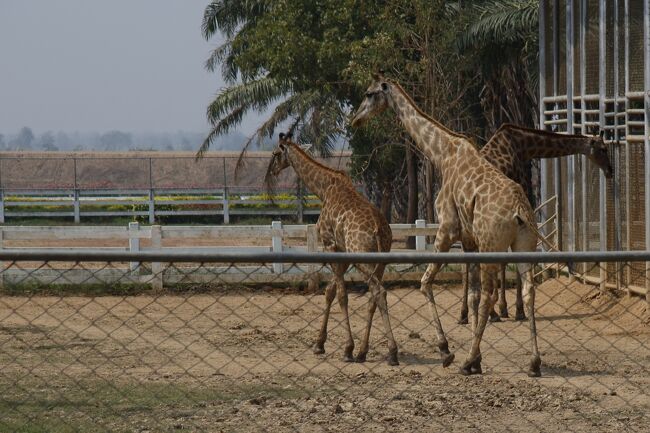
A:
27,140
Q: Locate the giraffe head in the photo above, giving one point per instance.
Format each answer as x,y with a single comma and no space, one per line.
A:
280,155
598,154
375,100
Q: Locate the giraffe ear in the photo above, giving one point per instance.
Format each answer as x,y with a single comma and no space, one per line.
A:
305,147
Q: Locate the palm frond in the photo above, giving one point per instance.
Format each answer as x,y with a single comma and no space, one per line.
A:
226,16
222,127
502,22
257,94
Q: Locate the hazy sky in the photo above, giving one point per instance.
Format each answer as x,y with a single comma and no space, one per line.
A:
90,65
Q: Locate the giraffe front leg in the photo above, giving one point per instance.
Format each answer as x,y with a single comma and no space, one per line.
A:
503,302
464,309
342,295
330,293
525,271
363,350
472,364
379,296
519,303
500,282
442,244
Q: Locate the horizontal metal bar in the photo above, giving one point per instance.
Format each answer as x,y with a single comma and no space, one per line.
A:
214,257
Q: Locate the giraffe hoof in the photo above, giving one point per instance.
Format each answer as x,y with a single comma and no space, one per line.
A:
447,359
494,317
466,369
319,349
463,320
361,357
348,358
392,358
534,370
504,314
520,317
476,368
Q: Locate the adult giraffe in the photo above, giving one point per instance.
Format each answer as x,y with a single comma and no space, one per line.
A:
510,149
347,223
477,204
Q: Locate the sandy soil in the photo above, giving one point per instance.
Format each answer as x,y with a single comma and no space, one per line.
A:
240,361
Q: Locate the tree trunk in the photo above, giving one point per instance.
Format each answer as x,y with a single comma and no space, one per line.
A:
412,209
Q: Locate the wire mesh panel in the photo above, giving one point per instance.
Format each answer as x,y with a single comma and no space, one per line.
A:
229,346
36,173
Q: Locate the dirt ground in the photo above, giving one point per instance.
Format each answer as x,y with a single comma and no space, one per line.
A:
241,361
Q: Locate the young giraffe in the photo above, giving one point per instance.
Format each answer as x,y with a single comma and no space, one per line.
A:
477,204
347,223
510,149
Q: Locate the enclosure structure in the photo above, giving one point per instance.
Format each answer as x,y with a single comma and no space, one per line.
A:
595,74
147,184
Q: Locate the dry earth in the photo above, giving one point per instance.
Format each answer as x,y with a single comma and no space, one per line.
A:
240,360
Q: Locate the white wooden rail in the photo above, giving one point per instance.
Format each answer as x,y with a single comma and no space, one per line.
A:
183,238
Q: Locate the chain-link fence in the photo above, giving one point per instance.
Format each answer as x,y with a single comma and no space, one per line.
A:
178,342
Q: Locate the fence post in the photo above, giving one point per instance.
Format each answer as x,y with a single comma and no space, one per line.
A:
2,265
226,206
77,216
134,243
156,267
152,212
2,207
276,244
420,240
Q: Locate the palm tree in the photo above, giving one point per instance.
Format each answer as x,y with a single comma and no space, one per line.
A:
503,34
318,116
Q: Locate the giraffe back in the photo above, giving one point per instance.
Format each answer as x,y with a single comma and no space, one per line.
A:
349,222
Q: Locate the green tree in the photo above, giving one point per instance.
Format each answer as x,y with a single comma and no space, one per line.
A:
24,139
312,61
503,38
46,142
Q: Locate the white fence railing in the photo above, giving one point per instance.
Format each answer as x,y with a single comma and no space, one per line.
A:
190,239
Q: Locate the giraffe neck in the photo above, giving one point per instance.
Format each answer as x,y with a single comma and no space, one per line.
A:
433,139
541,144
316,177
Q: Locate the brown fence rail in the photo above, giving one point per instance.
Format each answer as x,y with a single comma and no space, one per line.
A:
87,345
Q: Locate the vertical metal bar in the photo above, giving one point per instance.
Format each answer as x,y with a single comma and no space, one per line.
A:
557,176
628,223
583,107
542,94
226,205
76,207
602,89
2,207
617,152
571,185
646,140
157,269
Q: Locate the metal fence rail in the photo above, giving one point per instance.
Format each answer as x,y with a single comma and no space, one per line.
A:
216,350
